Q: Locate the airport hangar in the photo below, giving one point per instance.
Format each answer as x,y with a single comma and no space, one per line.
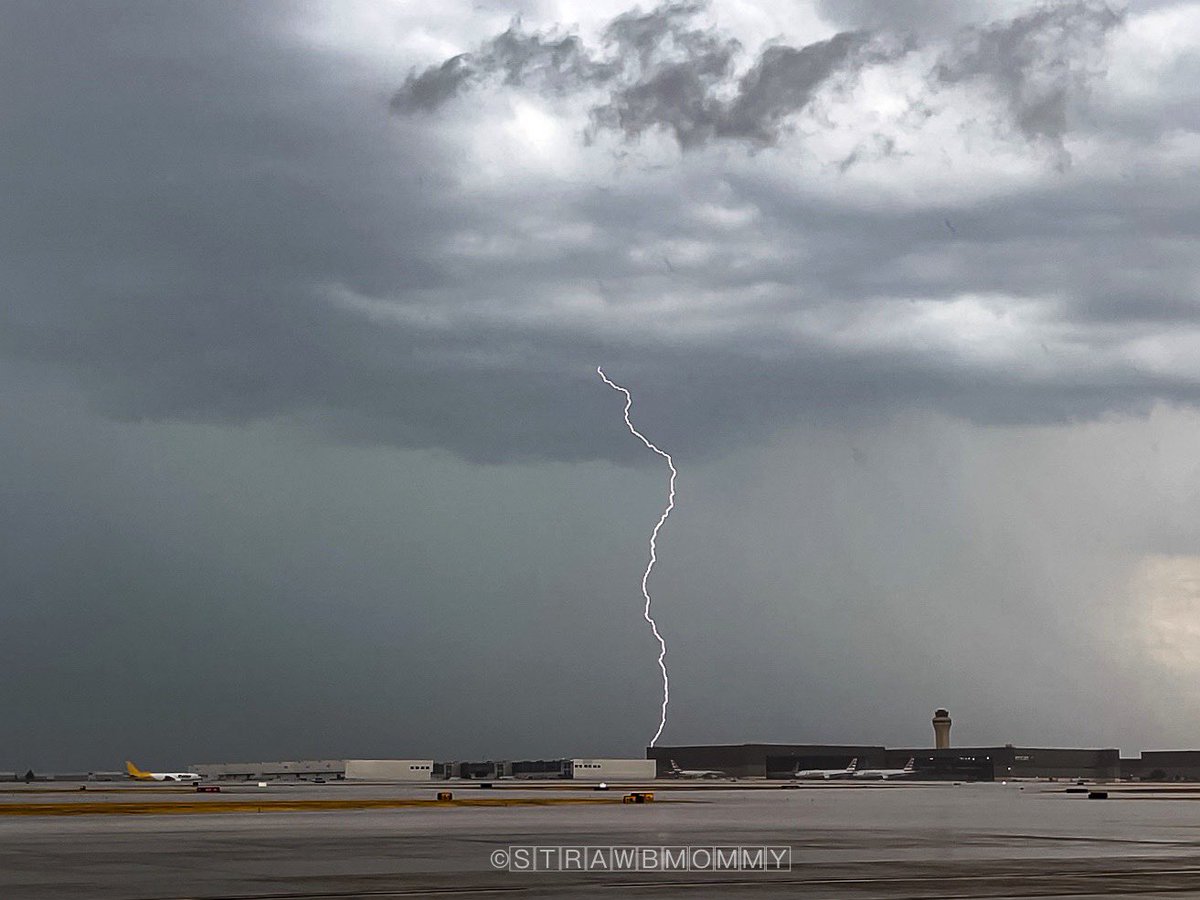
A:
1163,765
940,763
957,764
581,769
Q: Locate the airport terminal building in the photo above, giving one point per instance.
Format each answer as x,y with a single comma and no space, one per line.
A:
1007,762
1163,765
939,763
764,760
767,761
580,769
326,769
780,761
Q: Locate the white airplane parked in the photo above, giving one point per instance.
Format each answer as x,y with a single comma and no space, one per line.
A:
677,772
135,772
909,769
847,772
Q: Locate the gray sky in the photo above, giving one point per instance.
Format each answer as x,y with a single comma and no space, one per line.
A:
303,448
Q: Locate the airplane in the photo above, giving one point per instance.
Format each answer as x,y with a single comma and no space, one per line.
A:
909,769
677,772
847,772
135,772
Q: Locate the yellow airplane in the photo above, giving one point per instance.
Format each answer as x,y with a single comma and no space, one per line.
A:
135,772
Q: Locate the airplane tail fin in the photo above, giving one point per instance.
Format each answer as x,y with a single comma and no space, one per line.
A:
134,771
674,766
853,765
910,765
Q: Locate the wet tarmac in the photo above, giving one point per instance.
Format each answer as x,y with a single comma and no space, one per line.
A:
846,841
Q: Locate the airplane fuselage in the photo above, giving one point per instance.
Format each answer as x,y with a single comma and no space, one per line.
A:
885,774
826,774
676,772
138,775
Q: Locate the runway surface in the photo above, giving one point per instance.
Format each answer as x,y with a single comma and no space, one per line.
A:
851,841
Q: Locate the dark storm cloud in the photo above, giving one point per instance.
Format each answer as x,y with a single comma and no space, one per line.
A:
179,224
180,214
641,36
782,82
663,72
545,61
436,85
221,247
677,70
1037,60
216,222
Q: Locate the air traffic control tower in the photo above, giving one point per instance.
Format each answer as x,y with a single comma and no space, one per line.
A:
941,729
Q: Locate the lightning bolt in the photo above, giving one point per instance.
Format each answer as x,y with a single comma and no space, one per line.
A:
662,645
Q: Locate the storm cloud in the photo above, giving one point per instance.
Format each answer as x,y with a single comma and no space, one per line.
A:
302,308
1036,61
659,70
427,252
